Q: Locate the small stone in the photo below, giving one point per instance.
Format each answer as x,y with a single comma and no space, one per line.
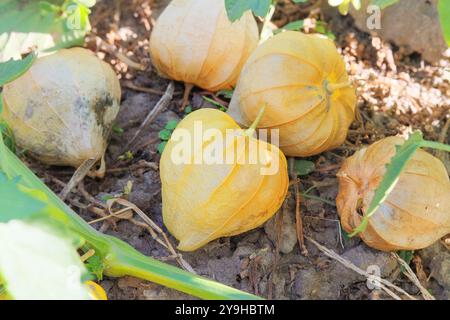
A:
437,257
288,237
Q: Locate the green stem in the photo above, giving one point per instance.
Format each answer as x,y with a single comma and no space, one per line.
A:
435,145
118,257
318,198
266,30
250,131
332,87
132,263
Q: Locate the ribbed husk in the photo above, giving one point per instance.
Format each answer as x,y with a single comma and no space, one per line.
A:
289,74
193,41
204,202
416,212
62,109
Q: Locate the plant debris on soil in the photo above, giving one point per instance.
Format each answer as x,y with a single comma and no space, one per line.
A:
397,93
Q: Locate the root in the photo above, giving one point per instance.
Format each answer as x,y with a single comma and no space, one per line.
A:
77,177
187,91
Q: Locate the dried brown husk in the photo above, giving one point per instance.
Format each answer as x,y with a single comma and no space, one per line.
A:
417,211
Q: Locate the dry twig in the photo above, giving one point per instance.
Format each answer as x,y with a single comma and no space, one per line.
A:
382,283
149,225
298,214
122,57
412,276
159,107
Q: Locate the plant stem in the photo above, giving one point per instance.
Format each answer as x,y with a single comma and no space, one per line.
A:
250,131
132,263
119,258
318,198
266,30
332,87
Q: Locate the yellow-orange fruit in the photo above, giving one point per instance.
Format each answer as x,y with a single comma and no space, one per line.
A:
96,291
63,108
203,201
194,42
302,81
417,211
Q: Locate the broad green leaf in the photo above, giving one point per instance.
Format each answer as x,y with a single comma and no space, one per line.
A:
304,167
15,204
119,258
36,263
384,3
444,15
12,69
294,25
8,135
87,3
43,25
236,8
344,5
390,179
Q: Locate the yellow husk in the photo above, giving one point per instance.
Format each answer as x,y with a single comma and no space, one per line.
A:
302,81
203,202
194,42
416,212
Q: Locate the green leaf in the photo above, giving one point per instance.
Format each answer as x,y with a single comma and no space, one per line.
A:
188,109
236,8
8,135
304,167
161,147
393,171
165,134
444,15
117,129
407,256
321,27
119,258
38,263
87,3
171,125
215,103
12,69
15,204
228,94
294,25
47,26
384,3
95,266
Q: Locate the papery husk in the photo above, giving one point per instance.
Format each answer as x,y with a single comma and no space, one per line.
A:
63,108
203,202
292,74
417,211
194,42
